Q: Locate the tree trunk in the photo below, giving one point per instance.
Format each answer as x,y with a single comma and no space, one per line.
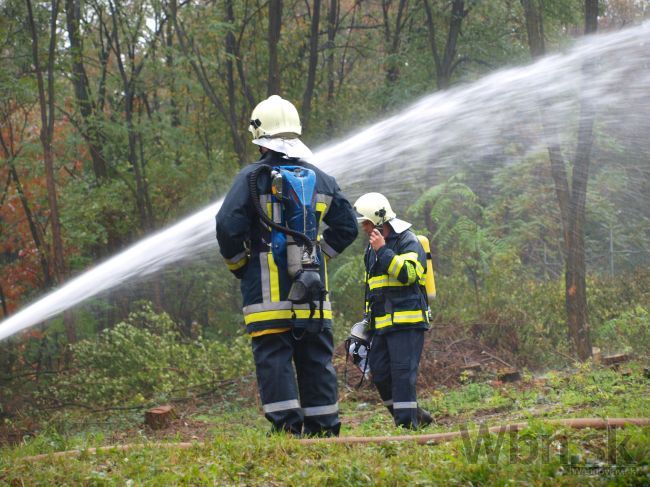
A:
393,39
458,13
313,61
591,16
445,63
174,116
46,103
231,54
275,26
537,46
576,287
534,28
10,155
571,199
196,61
332,27
140,187
3,302
129,80
37,235
82,90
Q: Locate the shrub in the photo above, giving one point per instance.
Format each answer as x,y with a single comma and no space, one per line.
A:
144,358
526,317
630,331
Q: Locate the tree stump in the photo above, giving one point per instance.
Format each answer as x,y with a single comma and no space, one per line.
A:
596,355
509,375
159,417
12,437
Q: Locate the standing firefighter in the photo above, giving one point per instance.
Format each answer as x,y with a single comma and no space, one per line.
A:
268,233
396,307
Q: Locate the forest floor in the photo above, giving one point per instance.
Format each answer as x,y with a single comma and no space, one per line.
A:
231,444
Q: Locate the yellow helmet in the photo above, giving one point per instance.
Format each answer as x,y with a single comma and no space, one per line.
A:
275,117
375,208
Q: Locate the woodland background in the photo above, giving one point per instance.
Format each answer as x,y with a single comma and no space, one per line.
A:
118,118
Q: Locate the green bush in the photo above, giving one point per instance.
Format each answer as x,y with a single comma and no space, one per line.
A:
145,358
630,331
525,316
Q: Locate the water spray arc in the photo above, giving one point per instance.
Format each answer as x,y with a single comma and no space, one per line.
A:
435,133
192,235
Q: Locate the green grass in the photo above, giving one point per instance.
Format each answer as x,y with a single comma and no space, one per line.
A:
239,452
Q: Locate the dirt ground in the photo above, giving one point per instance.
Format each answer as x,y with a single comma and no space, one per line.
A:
448,359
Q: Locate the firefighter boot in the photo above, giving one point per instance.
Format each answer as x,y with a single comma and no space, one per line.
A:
424,418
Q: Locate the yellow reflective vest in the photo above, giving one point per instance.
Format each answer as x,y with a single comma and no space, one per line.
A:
395,279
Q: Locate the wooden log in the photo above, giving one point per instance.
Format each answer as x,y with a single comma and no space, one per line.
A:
159,417
484,352
615,359
472,366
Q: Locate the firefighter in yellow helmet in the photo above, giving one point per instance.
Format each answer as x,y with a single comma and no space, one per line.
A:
275,126
396,307
281,262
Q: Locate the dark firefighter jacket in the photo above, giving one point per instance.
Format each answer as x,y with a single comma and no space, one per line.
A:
395,279
244,244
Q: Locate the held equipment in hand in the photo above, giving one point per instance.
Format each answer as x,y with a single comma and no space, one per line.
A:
357,346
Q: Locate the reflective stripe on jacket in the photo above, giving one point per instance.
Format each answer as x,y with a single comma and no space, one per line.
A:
395,277
244,243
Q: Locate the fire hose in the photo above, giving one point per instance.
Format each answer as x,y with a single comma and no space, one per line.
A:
435,438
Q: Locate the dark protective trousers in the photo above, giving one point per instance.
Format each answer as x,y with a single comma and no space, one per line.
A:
317,410
394,360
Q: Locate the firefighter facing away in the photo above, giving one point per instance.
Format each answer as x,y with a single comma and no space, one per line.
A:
268,233
396,307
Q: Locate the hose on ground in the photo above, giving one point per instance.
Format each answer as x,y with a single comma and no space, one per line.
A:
575,423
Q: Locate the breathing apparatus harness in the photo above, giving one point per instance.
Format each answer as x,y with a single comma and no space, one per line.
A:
293,235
